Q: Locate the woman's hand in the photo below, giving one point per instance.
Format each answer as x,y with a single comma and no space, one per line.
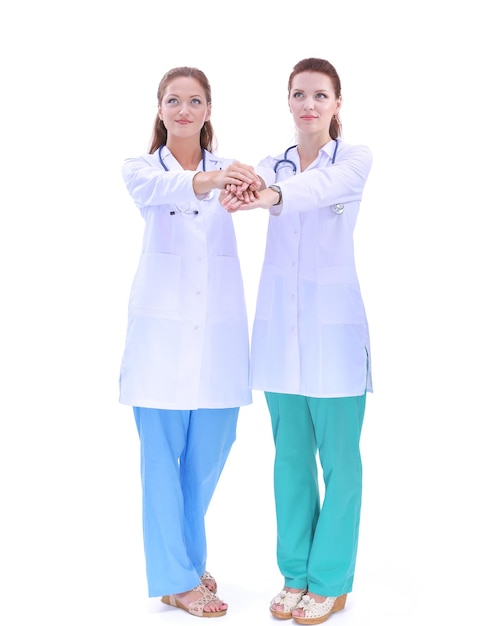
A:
233,201
240,178
237,175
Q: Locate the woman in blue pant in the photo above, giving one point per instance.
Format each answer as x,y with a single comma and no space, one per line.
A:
310,345
185,365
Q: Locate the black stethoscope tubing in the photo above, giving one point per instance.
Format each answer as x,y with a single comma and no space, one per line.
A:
167,169
165,166
335,208
293,165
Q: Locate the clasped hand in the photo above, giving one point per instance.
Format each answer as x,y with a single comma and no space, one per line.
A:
241,188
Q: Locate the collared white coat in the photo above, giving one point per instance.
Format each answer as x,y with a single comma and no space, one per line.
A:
187,344
310,334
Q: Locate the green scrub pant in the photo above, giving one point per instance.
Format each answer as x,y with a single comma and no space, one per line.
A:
317,531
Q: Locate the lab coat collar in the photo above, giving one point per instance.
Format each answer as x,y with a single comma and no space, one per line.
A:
328,148
211,161
324,156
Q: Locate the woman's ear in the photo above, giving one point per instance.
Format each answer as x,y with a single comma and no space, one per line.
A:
339,103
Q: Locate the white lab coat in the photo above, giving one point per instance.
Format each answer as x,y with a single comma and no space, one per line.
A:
310,334
187,344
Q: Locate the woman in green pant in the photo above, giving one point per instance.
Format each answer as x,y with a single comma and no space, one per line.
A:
310,345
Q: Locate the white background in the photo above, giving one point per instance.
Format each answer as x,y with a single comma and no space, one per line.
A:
79,83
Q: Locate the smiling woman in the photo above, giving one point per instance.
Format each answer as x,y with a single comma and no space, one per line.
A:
310,345
185,365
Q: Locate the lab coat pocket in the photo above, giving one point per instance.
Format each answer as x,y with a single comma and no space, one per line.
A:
339,304
157,282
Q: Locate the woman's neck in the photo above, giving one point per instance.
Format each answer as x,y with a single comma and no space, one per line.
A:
188,153
308,149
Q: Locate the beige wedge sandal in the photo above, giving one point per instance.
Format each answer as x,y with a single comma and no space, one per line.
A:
210,580
197,606
318,612
289,600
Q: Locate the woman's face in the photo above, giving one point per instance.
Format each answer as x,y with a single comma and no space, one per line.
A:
184,107
313,103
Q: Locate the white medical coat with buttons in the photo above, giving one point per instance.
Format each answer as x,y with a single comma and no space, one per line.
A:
310,334
187,343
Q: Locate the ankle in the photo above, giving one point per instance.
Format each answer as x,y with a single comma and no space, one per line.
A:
319,599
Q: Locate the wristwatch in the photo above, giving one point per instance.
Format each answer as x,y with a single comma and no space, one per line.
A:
278,189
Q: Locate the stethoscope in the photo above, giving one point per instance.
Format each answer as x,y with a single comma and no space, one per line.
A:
286,162
165,166
184,211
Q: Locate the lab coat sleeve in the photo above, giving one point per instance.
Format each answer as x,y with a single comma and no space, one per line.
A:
265,169
149,185
342,182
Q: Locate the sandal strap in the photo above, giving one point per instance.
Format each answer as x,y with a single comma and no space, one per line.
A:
207,576
316,609
197,606
209,581
288,599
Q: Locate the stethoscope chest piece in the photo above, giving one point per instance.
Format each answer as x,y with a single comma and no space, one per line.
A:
337,208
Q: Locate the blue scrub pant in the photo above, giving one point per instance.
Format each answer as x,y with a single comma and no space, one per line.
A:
182,457
317,543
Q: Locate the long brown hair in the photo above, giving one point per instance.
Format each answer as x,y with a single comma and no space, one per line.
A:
159,132
323,67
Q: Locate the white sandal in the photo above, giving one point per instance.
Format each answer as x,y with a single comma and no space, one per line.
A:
289,601
318,612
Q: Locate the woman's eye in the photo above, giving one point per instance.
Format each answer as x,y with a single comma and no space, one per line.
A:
172,101
196,101
297,94
320,95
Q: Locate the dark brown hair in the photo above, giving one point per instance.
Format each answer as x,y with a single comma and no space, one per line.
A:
159,132
323,67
